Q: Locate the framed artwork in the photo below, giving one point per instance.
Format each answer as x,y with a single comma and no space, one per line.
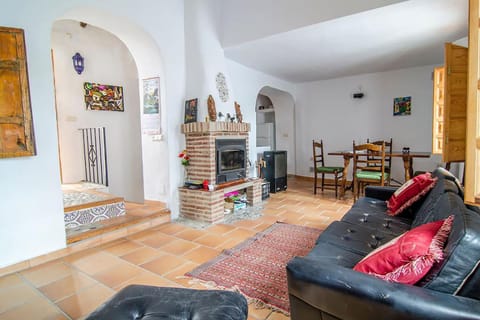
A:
402,106
191,110
103,97
151,96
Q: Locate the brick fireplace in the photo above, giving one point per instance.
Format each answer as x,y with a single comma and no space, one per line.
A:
200,140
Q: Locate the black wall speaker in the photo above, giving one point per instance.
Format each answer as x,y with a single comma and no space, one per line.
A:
358,95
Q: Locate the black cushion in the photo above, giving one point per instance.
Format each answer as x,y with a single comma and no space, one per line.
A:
331,254
354,238
137,302
459,272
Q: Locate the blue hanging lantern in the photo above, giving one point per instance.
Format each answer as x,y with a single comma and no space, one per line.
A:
78,63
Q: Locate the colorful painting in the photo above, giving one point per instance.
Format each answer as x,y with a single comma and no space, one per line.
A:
151,95
191,111
402,106
103,97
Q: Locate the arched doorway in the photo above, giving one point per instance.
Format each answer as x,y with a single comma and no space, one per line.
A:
276,123
119,53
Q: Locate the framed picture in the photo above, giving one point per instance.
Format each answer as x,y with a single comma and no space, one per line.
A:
151,95
103,97
151,106
402,106
191,111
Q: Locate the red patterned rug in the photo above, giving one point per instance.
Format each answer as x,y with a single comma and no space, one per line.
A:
256,267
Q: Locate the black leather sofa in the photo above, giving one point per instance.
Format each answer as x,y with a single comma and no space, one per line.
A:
322,285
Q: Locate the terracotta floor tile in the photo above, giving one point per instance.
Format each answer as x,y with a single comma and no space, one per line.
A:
230,243
190,234
40,309
67,286
180,271
163,264
113,277
277,316
14,296
171,228
240,233
220,228
201,254
248,224
84,302
10,280
178,247
122,248
47,272
141,255
149,279
157,239
257,313
95,262
212,240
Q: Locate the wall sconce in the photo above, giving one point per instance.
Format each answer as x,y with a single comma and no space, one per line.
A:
78,63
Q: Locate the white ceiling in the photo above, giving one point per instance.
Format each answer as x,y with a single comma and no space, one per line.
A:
401,35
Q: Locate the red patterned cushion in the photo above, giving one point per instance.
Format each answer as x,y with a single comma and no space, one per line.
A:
409,192
408,257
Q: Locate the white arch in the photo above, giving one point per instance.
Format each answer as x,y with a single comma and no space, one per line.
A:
148,58
284,106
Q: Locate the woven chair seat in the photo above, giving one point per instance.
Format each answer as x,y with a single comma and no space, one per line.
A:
329,169
372,175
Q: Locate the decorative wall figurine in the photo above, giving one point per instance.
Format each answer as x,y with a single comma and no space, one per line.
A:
212,111
230,118
238,113
220,116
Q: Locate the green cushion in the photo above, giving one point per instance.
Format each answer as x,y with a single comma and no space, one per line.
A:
371,175
329,169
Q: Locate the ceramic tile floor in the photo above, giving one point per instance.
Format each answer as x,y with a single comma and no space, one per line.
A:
73,286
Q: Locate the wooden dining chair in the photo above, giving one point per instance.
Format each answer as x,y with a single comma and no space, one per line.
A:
388,158
319,168
362,164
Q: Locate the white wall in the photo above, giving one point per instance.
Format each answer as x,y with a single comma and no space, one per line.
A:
248,20
205,57
31,206
248,83
108,61
326,110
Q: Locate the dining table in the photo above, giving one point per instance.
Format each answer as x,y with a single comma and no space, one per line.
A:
407,158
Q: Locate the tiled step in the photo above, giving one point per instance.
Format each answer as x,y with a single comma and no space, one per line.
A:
137,218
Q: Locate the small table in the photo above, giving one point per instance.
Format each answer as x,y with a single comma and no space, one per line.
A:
406,156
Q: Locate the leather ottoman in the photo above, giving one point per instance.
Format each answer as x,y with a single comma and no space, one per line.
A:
148,302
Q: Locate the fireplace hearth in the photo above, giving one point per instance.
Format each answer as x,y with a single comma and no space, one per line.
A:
218,153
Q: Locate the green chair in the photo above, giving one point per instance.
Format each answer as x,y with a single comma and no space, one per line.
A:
388,158
363,161
320,168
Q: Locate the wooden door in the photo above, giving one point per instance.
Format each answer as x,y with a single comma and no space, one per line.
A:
16,129
472,162
455,109
438,109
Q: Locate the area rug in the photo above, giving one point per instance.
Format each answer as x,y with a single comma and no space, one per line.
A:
256,267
